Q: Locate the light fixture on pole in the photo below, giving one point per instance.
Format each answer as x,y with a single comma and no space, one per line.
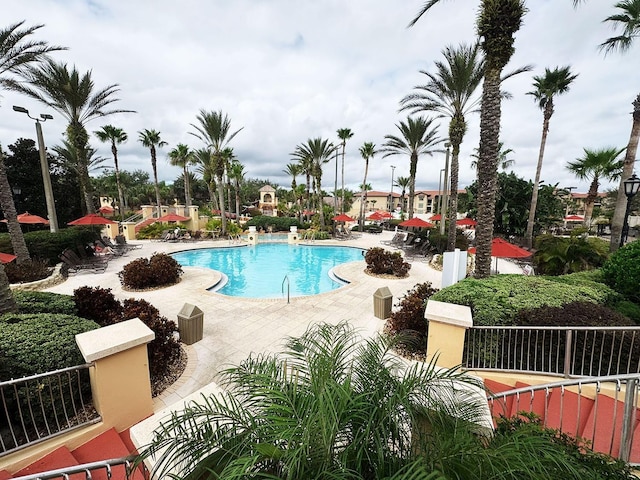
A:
44,165
393,169
445,189
631,187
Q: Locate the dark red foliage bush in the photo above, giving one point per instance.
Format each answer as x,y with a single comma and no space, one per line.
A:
34,269
381,261
97,304
158,271
409,317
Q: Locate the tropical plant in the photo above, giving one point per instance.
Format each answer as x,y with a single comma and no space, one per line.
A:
547,87
626,19
622,271
404,183
214,129
497,23
418,137
344,134
450,93
594,165
560,256
367,150
182,157
314,153
236,174
151,139
75,97
205,166
115,136
503,157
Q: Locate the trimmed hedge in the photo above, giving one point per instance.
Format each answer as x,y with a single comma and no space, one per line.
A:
37,343
277,224
46,245
497,300
44,302
622,271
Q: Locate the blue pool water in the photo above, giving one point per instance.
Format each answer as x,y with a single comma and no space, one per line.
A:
258,271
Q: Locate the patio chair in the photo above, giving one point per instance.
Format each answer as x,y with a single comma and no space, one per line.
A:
122,242
109,248
75,266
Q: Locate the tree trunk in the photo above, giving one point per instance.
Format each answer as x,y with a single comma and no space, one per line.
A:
363,196
320,199
155,181
114,150
223,216
487,170
627,171
413,167
8,207
344,146
453,199
7,302
187,193
590,201
548,111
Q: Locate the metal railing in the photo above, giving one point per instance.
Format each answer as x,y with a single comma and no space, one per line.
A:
286,280
566,351
108,466
602,411
138,217
39,407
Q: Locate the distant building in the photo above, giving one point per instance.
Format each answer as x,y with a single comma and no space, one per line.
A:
268,203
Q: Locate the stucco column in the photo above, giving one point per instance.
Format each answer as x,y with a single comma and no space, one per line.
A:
120,376
448,324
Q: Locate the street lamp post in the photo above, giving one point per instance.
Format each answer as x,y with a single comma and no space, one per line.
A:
439,206
393,169
44,165
445,189
631,187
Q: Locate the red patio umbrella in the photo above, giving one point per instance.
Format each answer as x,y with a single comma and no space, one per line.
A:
467,222
343,217
27,218
386,214
7,257
376,217
437,217
500,248
416,222
574,218
173,217
106,209
91,219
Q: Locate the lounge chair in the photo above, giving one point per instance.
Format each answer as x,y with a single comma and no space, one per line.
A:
122,242
75,266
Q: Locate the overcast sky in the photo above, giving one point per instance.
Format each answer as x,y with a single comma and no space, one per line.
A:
289,70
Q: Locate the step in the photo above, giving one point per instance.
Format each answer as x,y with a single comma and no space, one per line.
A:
573,409
499,406
59,458
607,412
526,403
105,446
4,475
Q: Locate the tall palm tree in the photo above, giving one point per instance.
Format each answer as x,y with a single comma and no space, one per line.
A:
316,151
367,150
497,23
594,165
626,19
344,134
115,136
151,139
18,53
503,157
182,157
214,129
451,93
403,183
205,166
306,167
75,97
294,170
236,174
547,87
418,137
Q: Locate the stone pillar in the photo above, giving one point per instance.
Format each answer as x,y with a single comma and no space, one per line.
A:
179,209
192,213
252,236
447,324
148,210
120,376
294,236
112,230
129,230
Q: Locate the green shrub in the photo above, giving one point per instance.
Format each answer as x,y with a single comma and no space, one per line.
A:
622,271
313,234
158,271
408,320
560,255
37,343
48,246
628,309
152,231
383,262
497,300
44,302
277,224
30,271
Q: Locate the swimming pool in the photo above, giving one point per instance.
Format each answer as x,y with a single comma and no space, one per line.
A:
259,271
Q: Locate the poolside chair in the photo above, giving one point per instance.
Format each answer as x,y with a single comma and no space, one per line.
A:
75,265
122,242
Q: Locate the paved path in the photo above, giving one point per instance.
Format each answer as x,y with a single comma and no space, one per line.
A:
235,327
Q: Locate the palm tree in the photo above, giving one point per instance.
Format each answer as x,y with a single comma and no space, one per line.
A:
503,157
497,23
236,174
205,166
182,157
344,134
628,20
594,165
214,130
294,170
403,183
115,136
547,87
74,97
315,151
151,139
418,137
450,93
18,53
368,150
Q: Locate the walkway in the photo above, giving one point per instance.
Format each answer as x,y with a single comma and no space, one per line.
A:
237,327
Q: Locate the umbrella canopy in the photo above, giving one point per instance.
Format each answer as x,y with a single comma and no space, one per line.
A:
385,214
27,218
343,217
106,209
416,222
91,219
376,216
7,257
173,217
574,218
437,217
467,221
500,248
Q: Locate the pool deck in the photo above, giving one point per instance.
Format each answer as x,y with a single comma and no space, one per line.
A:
236,327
